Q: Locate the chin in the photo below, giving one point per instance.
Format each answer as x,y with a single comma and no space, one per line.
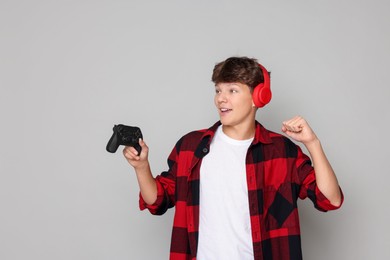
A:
225,122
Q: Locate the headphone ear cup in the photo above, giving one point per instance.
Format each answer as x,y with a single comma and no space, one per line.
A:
256,95
265,95
261,95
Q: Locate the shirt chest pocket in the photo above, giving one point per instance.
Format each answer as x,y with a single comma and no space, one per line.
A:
280,207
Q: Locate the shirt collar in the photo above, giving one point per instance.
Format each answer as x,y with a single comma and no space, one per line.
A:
262,135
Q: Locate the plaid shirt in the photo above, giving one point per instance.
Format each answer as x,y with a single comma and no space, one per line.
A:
277,173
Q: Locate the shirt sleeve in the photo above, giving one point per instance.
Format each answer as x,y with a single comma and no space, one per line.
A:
308,184
166,184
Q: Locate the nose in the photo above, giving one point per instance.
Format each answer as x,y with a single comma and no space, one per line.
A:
221,97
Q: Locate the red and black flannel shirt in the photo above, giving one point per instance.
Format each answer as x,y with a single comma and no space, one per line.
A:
277,172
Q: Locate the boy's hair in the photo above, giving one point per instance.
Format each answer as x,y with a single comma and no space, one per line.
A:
238,69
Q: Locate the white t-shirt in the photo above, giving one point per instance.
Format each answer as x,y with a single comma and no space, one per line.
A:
224,220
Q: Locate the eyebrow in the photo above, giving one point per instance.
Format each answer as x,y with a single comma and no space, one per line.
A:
230,84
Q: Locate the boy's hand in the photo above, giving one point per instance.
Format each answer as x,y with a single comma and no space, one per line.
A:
298,129
135,160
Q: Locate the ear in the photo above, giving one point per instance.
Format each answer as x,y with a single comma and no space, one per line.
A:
254,106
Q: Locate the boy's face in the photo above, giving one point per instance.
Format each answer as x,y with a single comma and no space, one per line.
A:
234,104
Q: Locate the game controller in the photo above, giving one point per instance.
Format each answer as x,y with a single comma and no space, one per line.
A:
124,135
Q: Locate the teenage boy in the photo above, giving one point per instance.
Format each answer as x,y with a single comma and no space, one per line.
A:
235,185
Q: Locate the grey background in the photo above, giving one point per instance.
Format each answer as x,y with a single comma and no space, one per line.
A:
70,70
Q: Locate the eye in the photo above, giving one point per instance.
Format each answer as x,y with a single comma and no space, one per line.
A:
217,91
234,91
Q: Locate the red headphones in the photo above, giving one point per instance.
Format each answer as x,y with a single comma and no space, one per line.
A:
262,93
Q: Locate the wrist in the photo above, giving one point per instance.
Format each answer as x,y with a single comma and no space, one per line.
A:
315,143
142,167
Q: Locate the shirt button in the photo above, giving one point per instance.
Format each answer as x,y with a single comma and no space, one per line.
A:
205,150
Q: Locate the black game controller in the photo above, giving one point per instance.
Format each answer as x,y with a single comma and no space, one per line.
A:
124,135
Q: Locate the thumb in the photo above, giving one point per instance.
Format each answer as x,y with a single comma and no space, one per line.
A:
141,143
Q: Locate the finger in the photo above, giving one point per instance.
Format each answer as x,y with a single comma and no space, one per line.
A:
131,150
142,143
293,128
300,120
295,124
130,153
285,127
295,120
291,120
288,126
288,123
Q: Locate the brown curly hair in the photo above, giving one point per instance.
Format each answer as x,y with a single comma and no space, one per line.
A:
238,69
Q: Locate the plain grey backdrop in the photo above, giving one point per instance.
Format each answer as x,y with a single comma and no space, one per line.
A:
70,70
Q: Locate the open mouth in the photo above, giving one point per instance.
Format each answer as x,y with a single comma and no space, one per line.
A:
225,110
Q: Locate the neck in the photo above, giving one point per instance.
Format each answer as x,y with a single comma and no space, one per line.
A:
240,132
